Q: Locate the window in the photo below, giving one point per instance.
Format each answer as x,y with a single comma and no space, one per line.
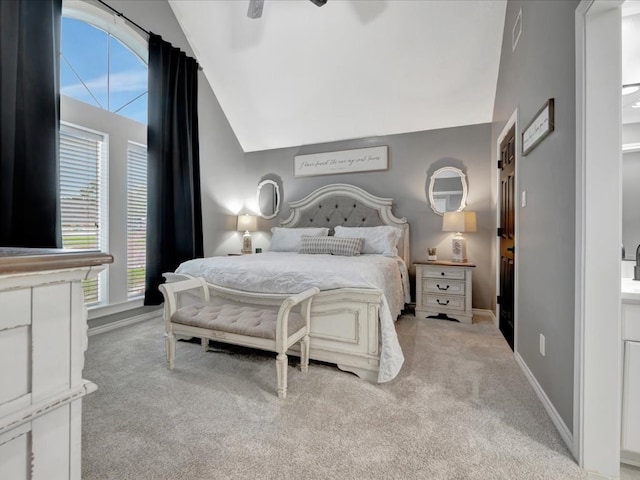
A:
136,218
83,199
98,69
103,86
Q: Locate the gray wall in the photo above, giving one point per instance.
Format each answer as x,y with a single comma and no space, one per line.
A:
542,67
221,158
412,156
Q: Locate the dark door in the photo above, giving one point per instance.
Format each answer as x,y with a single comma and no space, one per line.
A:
506,233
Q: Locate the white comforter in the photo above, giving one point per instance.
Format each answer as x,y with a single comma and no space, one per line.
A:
280,272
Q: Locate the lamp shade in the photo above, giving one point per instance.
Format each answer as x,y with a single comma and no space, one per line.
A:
464,221
247,223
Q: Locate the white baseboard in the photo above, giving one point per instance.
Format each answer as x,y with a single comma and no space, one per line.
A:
483,314
124,322
565,433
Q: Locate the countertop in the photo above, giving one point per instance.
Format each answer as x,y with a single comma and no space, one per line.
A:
630,290
15,260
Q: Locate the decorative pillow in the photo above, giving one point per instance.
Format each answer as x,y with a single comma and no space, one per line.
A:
347,247
382,240
288,239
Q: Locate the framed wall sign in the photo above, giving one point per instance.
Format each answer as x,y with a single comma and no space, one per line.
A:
343,161
538,128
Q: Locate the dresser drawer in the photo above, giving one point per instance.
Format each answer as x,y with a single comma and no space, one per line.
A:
434,272
443,285
444,302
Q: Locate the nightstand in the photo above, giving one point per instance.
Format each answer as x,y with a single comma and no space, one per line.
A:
443,290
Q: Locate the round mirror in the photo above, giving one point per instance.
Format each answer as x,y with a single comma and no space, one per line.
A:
268,199
447,190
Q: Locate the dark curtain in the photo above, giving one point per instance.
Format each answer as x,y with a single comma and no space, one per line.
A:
29,123
174,212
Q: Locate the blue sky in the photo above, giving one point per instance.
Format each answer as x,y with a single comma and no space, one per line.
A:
97,69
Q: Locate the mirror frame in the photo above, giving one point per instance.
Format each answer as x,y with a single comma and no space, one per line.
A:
277,193
463,179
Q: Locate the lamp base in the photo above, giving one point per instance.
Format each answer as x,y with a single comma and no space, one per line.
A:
459,248
246,243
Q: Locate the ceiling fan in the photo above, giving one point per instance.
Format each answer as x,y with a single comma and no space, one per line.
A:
255,7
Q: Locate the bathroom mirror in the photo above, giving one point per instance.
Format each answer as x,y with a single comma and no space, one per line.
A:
447,190
268,199
630,200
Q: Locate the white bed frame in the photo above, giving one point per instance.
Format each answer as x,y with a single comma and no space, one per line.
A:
345,328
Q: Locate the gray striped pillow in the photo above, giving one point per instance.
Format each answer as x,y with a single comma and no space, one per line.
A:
344,246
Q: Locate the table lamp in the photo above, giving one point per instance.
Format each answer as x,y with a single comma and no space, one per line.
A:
459,222
248,223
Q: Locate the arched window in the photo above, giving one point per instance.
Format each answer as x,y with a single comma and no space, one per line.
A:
103,110
98,68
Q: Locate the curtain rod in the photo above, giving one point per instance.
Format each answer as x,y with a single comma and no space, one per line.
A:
123,16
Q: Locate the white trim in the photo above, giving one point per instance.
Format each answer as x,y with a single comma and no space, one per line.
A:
103,310
124,322
597,352
513,120
562,428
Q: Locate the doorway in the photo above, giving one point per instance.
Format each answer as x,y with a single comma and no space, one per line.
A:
507,234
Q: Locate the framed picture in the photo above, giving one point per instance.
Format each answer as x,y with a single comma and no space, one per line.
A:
343,161
541,126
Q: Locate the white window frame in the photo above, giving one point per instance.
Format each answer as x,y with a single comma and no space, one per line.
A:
138,148
103,199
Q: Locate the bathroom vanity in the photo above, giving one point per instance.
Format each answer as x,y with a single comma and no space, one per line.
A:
630,435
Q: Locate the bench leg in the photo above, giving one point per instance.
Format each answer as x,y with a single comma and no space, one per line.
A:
281,367
205,344
170,347
304,354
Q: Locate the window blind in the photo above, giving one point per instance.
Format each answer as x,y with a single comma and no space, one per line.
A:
81,196
136,218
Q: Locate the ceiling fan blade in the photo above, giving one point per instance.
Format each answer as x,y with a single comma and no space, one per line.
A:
255,8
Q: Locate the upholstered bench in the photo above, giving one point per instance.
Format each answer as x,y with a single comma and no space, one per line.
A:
264,321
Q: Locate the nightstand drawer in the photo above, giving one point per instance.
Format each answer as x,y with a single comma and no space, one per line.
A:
444,302
443,285
454,273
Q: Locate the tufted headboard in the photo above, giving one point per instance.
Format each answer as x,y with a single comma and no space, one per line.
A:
349,206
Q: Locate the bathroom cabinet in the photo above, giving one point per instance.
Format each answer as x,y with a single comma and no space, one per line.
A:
630,433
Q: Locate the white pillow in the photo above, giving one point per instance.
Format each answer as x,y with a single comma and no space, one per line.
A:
382,240
288,239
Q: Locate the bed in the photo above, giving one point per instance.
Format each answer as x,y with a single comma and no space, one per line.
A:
353,316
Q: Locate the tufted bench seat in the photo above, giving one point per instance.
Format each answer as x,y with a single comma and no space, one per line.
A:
264,321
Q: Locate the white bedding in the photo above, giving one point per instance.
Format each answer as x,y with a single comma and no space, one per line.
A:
283,272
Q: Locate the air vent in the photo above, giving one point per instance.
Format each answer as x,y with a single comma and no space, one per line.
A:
517,30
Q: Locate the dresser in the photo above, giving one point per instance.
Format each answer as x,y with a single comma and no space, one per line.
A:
443,290
43,337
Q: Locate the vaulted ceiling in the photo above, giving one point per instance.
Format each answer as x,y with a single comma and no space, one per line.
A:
303,74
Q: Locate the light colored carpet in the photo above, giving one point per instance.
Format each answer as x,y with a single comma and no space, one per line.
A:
459,409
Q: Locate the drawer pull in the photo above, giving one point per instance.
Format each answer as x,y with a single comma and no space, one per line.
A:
440,288
440,303
442,273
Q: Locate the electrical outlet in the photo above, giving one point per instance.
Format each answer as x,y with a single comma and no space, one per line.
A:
542,350
524,198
